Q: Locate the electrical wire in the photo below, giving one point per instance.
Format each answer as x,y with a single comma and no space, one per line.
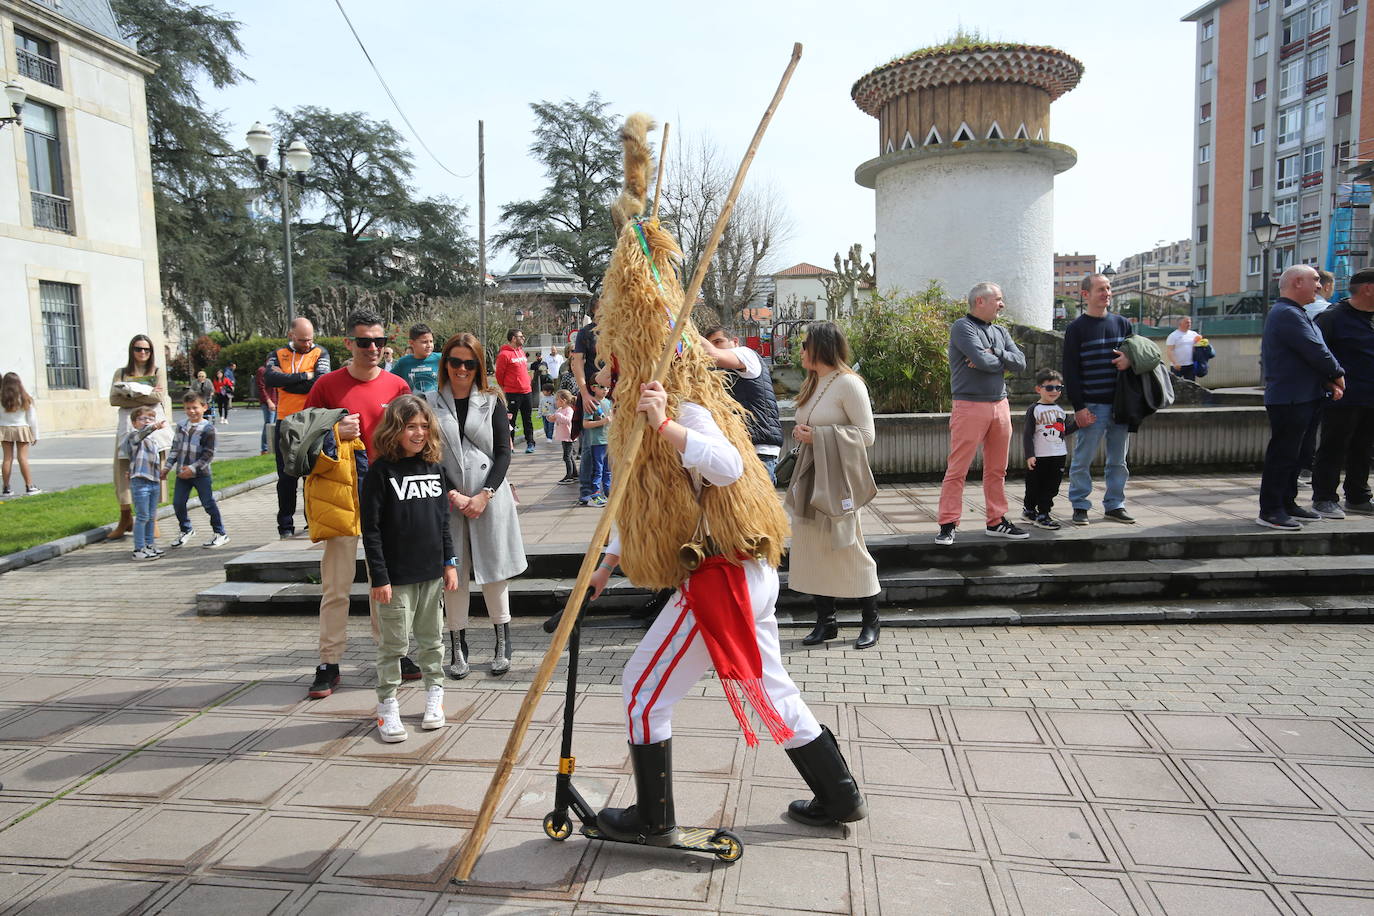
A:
381,79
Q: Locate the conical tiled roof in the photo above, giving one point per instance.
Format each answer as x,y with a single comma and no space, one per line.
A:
1046,68
537,275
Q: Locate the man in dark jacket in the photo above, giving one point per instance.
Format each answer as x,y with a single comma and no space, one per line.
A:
1348,424
1299,371
751,384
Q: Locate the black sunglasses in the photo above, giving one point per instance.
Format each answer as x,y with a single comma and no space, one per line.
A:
143,349
471,365
369,342
1053,387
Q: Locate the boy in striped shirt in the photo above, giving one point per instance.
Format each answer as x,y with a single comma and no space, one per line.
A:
191,453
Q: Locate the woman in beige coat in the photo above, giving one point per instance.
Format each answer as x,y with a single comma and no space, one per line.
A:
828,559
139,383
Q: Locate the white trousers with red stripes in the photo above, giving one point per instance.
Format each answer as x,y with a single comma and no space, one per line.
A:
672,657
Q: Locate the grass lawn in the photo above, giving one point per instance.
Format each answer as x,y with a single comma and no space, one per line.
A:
32,520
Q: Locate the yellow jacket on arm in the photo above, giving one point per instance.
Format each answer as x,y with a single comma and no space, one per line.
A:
331,491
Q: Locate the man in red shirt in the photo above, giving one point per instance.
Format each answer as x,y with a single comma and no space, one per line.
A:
513,375
364,390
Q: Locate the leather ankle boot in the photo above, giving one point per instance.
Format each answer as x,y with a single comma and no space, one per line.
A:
826,627
126,524
500,660
837,798
458,658
651,820
868,631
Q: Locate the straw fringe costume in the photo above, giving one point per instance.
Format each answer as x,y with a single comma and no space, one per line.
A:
722,613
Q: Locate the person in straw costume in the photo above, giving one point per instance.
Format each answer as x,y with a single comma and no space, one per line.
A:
701,519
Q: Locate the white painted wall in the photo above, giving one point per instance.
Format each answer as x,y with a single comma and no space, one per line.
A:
967,218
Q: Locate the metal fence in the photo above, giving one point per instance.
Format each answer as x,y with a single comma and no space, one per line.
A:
52,212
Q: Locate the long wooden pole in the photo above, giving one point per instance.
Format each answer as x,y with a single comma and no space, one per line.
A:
662,157
481,233
473,847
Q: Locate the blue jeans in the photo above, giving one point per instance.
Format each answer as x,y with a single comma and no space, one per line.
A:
1086,441
548,430
269,418
770,464
595,476
204,485
145,494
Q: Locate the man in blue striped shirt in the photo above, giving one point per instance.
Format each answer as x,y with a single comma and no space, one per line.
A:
1092,362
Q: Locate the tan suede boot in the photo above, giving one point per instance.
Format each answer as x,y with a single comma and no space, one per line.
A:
126,523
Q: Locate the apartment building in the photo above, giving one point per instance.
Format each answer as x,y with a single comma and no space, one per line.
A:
78,244
1069,271
1163,270
1285,94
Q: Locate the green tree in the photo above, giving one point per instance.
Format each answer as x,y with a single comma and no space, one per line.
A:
902,345
212,255
579,146
373,232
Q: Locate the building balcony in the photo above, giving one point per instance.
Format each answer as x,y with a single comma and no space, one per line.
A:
1319,36
1293,47
1312,180
52,212
37,67
1316,84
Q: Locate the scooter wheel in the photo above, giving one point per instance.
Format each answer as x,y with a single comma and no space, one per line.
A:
733,848
557,826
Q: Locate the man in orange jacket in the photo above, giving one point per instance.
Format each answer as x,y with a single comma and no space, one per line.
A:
292,371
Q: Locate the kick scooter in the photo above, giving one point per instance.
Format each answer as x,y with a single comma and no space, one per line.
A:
723,844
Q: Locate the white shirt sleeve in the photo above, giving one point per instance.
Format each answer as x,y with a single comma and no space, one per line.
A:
708,453
753,365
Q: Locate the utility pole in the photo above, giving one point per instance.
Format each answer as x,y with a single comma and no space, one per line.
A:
481,235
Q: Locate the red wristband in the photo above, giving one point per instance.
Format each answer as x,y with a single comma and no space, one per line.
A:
666,421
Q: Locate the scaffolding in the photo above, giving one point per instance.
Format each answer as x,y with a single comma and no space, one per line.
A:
1348,246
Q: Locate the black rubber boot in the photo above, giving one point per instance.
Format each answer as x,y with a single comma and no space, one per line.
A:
650,609
651,820
837,797
826,627
868,631
458,654
500,660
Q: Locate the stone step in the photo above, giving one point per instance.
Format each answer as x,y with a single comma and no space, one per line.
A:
1077,590
1102,542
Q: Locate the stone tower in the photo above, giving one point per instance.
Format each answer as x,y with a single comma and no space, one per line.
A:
965,169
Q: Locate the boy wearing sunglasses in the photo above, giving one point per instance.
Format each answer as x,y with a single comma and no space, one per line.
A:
1043,437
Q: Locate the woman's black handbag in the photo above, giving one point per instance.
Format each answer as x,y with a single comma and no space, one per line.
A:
782,472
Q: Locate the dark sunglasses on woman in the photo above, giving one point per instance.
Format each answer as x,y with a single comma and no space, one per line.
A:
471,365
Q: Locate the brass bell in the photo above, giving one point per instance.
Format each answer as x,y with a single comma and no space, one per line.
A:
691,555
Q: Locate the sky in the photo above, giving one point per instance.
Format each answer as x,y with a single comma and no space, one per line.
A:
709,68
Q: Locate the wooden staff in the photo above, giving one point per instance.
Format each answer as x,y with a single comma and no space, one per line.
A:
472,848
658,182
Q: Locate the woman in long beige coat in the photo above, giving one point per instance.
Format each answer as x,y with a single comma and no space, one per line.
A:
828,559
139,383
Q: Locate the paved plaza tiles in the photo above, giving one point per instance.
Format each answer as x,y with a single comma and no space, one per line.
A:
157,761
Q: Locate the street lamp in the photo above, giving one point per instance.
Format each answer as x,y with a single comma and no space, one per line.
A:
1191,285
293,161
1265,230
15,94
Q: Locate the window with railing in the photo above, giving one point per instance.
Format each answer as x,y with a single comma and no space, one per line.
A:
1294,28
1313,158
1290,80
47,183
37,58
61,307
1287,171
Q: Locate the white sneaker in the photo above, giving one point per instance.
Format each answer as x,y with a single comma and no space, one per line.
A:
182,538
434,708
147,553
389,726
218,540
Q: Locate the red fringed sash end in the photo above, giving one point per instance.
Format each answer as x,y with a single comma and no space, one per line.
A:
718,597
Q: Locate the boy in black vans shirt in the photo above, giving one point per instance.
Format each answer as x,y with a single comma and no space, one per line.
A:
410,561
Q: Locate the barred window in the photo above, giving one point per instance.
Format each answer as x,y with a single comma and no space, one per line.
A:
61,307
